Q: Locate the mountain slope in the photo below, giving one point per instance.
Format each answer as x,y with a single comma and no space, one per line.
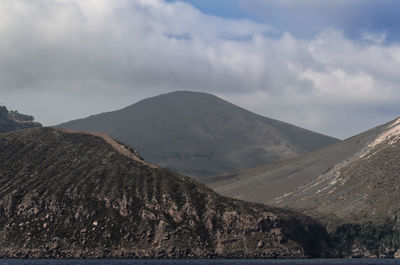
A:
12,121
79,195
200,135
352,186
355,179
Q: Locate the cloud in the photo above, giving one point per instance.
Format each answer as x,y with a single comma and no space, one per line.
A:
97,55
106,42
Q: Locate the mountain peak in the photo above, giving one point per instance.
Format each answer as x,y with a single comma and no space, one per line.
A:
187,93
199,134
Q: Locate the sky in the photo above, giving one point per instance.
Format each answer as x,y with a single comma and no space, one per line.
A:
331,66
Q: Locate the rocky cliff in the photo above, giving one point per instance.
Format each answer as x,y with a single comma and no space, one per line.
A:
75,195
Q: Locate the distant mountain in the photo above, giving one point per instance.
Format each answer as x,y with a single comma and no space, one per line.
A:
200,134
71,194
13,120
352,186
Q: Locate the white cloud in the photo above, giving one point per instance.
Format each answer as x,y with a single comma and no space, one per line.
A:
373,37
134,48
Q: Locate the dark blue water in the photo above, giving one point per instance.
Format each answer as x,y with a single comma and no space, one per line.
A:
203,262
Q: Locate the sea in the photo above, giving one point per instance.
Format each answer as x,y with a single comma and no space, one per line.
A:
198,262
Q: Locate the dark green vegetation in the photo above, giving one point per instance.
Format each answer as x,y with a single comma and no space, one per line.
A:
13,120
74,195
200,135
353,187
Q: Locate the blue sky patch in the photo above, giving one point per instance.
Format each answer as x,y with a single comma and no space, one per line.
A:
306,18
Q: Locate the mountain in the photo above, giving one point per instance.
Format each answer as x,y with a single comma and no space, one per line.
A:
200,134
352,186
71,194
13,120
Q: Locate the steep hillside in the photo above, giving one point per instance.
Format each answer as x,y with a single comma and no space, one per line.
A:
354,182
200,135
12,121
66,194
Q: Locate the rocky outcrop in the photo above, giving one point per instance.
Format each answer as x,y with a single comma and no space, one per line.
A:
367,240
74,195
13,120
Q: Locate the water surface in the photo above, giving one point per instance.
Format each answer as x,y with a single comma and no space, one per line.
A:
199,262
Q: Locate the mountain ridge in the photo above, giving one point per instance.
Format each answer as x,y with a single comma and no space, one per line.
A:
74,195
303,169
119,147
352,187
199,134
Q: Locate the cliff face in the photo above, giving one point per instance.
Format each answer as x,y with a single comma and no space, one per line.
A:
74,195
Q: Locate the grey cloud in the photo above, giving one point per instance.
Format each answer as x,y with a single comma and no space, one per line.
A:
99,55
